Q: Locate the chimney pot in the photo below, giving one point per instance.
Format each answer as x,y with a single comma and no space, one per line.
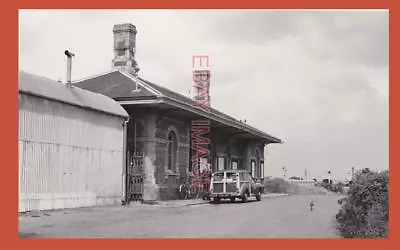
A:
125,48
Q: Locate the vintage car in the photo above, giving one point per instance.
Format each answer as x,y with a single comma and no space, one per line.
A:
232,184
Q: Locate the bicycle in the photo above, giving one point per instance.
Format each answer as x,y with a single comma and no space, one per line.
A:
184,191
200,189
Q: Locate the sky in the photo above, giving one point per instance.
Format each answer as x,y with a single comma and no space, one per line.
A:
319,80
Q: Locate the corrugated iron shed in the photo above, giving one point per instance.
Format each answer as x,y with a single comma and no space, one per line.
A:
71,146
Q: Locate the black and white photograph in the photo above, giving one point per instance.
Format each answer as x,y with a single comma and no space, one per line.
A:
136,123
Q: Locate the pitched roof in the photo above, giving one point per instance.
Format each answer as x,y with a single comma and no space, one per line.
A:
125,87
114,84
43,87
171,94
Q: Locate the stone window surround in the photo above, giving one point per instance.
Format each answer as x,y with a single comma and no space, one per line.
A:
217,163
238,158
253,158
175,170
262,166
234,159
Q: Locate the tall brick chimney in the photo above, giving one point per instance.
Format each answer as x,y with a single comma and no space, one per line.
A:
125,48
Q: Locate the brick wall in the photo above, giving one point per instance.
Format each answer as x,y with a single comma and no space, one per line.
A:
169,180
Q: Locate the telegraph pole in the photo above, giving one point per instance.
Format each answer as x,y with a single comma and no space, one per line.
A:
329,176
284,172
305,174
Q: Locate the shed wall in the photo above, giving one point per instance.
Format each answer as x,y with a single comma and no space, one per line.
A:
69,156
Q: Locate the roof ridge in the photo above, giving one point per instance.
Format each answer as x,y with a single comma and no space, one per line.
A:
177,93
94,76
137,81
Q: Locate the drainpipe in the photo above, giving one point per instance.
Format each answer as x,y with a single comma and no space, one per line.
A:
124,162
69,65
134,138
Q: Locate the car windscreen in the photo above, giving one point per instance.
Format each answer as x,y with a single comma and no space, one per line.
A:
218,176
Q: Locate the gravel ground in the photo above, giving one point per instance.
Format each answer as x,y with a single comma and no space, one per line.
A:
280,217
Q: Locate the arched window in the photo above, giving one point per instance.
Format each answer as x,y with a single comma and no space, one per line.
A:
172,150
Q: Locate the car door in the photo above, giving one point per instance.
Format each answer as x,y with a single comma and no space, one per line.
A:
249,181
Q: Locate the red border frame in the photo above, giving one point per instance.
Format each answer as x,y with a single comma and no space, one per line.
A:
9,148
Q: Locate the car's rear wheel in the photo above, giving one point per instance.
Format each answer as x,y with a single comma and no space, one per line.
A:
217,200
233,199
244,197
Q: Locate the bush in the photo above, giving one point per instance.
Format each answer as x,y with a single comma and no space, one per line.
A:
276,185
340,187
365,212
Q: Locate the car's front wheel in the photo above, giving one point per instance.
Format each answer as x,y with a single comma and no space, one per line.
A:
258,196
217,200
233,199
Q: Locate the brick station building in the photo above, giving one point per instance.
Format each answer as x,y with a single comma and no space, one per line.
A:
160,125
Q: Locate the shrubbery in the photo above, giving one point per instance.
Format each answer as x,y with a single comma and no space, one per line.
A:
365,212
276,185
